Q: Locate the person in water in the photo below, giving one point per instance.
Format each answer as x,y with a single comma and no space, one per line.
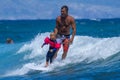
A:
54,46
64,23
9,41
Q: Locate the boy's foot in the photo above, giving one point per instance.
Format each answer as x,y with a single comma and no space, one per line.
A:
46,65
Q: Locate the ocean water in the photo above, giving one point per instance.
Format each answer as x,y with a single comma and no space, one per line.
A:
94,54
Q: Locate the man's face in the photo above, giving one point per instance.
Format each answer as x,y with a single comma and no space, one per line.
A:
63,12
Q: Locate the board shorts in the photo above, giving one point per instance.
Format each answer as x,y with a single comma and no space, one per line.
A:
63,39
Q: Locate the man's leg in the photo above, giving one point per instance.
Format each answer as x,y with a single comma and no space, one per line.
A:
65,48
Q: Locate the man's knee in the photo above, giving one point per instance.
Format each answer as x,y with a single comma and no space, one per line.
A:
66,41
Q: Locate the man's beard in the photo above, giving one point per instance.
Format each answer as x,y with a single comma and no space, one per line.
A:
63,15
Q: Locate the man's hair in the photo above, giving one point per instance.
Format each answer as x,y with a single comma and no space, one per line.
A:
66,7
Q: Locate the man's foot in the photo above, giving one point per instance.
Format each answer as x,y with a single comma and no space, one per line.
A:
64,55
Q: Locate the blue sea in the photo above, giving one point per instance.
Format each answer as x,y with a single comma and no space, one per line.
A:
94,54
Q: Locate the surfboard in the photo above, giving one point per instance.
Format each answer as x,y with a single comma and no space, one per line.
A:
39,68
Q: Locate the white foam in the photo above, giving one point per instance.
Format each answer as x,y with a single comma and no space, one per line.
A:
84,48
94,48
35,47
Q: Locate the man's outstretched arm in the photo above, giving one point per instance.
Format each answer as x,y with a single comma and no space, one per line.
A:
73,24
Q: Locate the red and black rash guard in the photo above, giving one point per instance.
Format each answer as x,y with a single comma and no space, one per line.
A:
52,43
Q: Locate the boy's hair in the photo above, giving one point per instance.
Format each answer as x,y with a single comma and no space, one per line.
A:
52,33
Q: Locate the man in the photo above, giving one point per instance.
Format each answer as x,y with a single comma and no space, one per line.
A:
64,23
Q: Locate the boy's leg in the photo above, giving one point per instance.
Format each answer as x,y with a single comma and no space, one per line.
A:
47,59
55,55
46,64
51,60
52,56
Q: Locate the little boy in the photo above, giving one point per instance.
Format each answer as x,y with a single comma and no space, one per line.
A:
54,46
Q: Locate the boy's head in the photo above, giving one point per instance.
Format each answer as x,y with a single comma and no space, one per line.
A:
52,36
9,41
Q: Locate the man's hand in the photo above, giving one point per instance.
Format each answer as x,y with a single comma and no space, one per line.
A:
74,30
71,41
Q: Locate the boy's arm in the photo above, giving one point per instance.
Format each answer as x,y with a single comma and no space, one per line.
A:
46,41
57,45
43,45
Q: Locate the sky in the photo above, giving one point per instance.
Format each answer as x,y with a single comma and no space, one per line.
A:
50,9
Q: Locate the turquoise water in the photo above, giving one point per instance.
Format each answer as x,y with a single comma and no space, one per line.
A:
94,54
